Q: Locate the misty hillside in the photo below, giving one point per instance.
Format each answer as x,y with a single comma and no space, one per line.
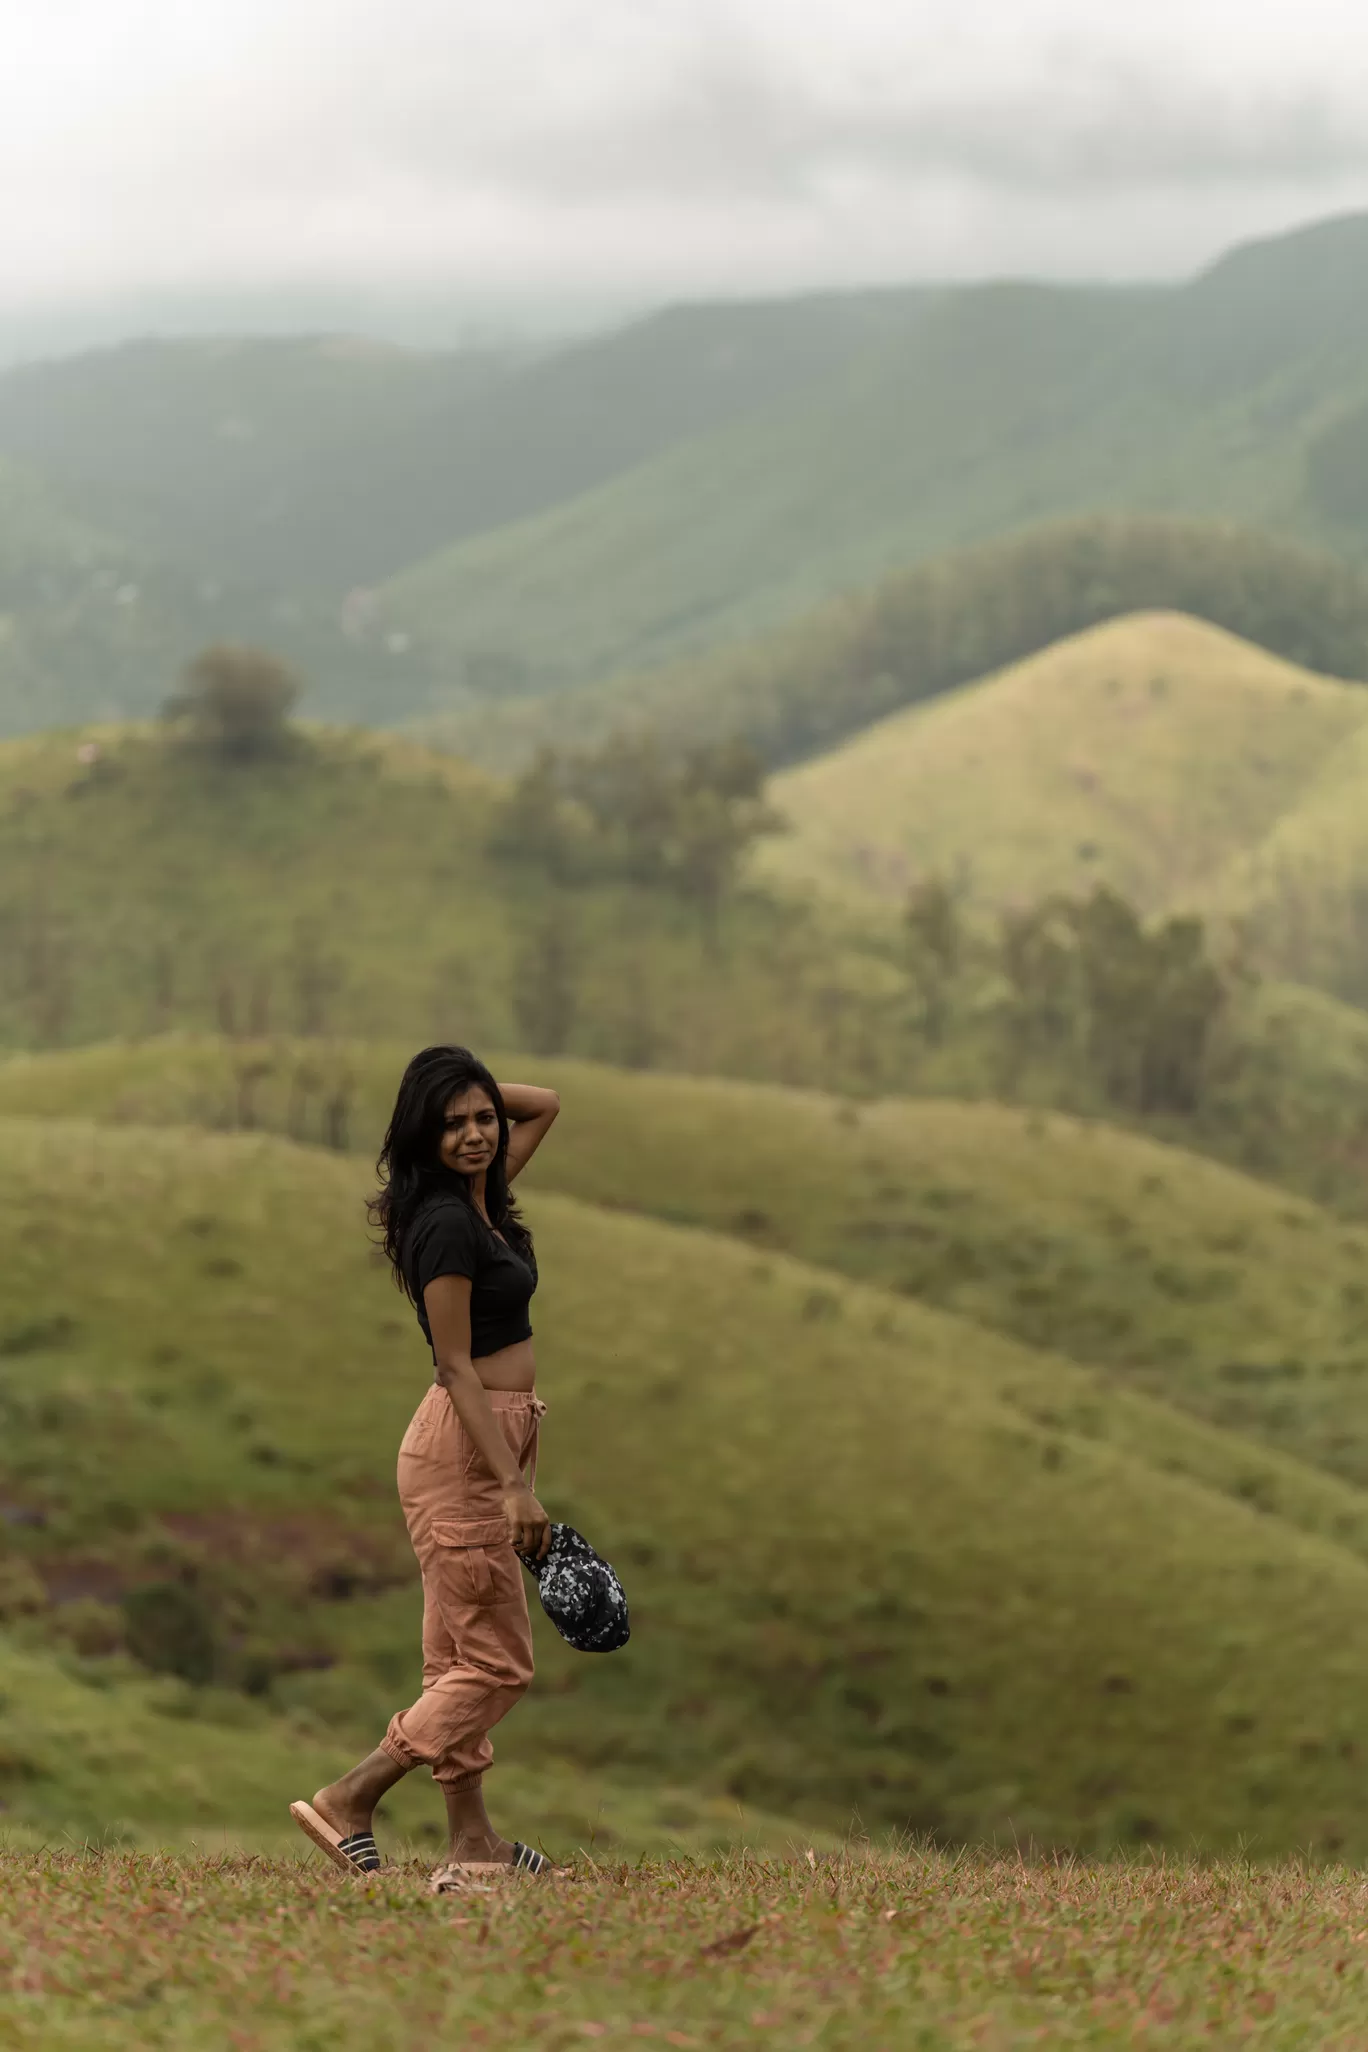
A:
1231,396
430,534
96,625
326,463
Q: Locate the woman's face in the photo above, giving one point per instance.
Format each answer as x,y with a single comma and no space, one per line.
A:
470,1132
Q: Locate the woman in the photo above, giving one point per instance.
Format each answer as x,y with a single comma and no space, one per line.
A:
461,1252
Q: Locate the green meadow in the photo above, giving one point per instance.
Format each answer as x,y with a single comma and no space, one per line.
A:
888,1566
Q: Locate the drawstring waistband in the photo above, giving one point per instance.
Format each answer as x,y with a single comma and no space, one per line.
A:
508,1400
538,1413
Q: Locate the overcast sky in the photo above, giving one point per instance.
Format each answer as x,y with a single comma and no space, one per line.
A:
516,150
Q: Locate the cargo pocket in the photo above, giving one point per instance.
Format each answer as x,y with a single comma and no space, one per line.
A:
474,1548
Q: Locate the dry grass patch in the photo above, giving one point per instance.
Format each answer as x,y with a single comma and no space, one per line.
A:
853,1949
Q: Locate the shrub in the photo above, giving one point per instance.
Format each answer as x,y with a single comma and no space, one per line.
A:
235,702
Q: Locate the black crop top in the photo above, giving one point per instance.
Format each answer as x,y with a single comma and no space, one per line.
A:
448,1237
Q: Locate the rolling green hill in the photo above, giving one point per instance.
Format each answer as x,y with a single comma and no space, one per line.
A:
1155,754
1229,397
880,1558
1215,1292
1148,754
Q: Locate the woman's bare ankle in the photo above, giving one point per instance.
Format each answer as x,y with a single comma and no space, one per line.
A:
337,1805
348,1803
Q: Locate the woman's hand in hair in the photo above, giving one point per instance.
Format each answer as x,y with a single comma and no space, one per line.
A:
528,1525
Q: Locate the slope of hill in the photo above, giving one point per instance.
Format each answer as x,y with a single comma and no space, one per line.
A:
352,886
1064,1621
94,1752
324,463
1301,888
1147,754
1227,397
1215,1292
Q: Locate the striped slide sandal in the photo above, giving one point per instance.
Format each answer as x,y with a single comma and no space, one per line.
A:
358,1854
459,1874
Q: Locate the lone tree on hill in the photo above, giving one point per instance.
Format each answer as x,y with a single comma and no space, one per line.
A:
236,702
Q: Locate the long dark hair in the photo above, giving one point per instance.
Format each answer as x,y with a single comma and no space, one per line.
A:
410,1165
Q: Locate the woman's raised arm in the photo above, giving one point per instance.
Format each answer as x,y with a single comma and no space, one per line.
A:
532,1113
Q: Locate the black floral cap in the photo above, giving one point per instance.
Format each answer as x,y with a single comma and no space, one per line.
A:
580,1593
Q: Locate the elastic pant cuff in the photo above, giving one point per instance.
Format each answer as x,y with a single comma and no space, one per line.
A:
402,1755
457,1782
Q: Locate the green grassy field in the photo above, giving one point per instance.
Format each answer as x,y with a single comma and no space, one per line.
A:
844,1950
1199,1285
95,1753
1148,754
884,1562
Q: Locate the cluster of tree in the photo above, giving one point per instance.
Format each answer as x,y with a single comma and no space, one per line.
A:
925,630
1086,983
680,820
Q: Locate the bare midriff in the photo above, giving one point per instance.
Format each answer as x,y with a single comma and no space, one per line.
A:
512,1367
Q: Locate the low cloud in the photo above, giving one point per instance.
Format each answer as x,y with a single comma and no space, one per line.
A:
730,124
690,144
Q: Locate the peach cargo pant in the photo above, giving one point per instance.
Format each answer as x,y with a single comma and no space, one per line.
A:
477,1639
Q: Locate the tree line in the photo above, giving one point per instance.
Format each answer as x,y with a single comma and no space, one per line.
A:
1081,988
926,630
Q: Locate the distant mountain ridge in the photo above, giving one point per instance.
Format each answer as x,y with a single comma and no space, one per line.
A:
326,462
1004,405
515,524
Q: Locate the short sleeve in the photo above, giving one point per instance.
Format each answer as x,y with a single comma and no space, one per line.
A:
444,1243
